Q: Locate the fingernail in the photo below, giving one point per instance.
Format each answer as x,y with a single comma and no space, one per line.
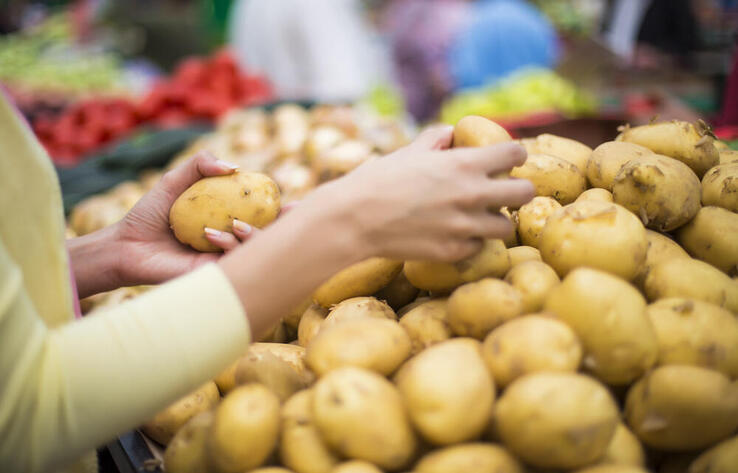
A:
241,227
226,165
212,232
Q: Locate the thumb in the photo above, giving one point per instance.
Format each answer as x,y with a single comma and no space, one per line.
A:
203,164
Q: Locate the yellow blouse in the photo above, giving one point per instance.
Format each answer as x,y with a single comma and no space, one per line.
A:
67,386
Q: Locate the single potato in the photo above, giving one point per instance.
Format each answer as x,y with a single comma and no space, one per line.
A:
362,279
556,420
565,148
533,280
426,324
292,320
187,452
530,344
476,308
679,407
720,186
609,317
276,374
468,458
358,308
660,248
722,458
602,195
607,159
167,422
728,156
624,449
520,254
356,466
310,323
552,177
398,293
214,202
532,218
712,236
301,447
473,131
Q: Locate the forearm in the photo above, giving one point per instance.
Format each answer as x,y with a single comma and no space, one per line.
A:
95,259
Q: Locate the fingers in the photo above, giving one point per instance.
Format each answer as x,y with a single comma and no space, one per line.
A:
491,159
227,241
201,165
511,193
287,207
434,138
242,230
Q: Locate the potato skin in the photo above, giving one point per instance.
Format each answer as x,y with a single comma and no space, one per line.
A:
474,309
596,193
187,452
613,469
356,466
609,317
520,254
533,280
426,324
530,344
720,186
474,131
556,420
467,458
552,177
215,201
358,307
680,407
446,404
398,293
660,248
166,423
722,458
686,277
594,234
310,323
680,140
624,449
380,345
346,400
565,148
728,156
663,192
692,332
361,279
274,373
532,218
608,158
301,447
712,236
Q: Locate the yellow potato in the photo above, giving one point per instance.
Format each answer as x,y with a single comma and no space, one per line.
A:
692,332
433,276
361,416
532,218
556,420
448,392
533,280
95,213
660,248
426,324
292,354
187,452
356,308
167,422
594,234
663,192
722,458
688,143
398,293
245,429
607,159
356,466
613,469
686,277
552,177
292,320
712,236
609,317
380,345
720,186
226,379
279,376
474,131
276,334
603,195
362,279
469,458
301,447
215,201
321,139
474,309
565,148
529,344
310,323
512,239
341,158
680,407
624,449
520,254
728,156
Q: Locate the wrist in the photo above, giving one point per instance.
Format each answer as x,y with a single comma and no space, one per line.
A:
95,261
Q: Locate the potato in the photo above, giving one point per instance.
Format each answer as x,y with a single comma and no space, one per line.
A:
624,449
292,354
476,308
712,236
379,345
529,344
245,429
276,334
728,156
532,218
226,379
448,405
602,195
491,261
321,139
341,158
533,280
556,420
361,416
660,248
552,177
167,422
426,324
607,159
609,317
301,447
95,213
310,324
613,469
512,239
214,202
686,277
292,320
663,192
271,469
565,148
474,131
680,407
722,458
692,332
187,452
294,179
720,186
423,298
398,293
361,279
356,466
594,234
356,308
468,458
520,254
277,375
688,143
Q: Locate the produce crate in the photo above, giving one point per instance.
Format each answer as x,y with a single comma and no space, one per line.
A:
134,453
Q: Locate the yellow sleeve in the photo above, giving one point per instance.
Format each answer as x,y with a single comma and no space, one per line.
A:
68,390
